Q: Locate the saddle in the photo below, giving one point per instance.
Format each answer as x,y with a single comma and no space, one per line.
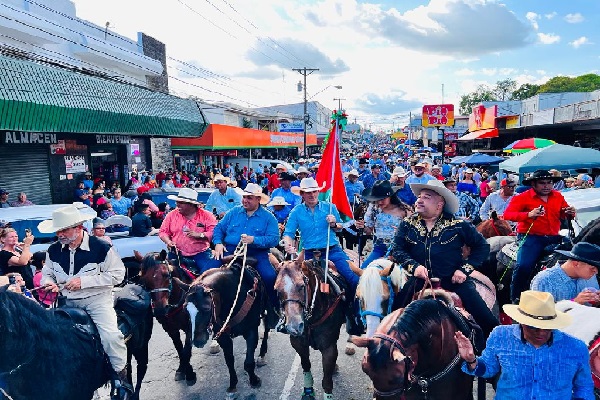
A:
131,304
337,281
78,317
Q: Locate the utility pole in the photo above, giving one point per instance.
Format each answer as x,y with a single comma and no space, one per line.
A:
304,72
339,103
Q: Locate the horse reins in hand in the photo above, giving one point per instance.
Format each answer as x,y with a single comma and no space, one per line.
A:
500,285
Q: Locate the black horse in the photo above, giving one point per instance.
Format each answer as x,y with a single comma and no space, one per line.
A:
211,303
48,355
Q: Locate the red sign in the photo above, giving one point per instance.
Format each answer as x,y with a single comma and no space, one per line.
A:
438,115
223,153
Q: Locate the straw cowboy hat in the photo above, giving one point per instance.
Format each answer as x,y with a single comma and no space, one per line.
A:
380,190
352,172
451,206
63,218
307,185
537,309
280,166
399,171
585,252
219,177
252,189
185,195
278,201
302,170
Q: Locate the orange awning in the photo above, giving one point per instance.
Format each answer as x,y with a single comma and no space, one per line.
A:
233,137
480,134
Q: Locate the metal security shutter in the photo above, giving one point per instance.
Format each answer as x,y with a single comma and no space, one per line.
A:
25,169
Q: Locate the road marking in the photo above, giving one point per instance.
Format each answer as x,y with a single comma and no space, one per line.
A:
289,382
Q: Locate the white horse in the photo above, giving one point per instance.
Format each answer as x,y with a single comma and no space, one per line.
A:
378,284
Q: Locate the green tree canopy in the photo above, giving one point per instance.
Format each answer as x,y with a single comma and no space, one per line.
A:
561,84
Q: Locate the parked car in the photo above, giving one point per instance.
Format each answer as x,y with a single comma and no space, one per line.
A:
259,164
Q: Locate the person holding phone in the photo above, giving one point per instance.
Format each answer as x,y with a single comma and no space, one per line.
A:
15,256
538,212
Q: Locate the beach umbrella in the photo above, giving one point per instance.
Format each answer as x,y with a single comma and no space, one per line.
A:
525,145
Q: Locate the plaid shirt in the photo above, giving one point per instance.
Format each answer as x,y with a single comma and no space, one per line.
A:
468,207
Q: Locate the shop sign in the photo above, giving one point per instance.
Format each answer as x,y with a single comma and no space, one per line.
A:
12,137
438,115
285,139
221,153
291,127
512,122
58,148
113,139
74,164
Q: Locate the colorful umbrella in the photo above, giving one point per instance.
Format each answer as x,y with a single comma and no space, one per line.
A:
525,145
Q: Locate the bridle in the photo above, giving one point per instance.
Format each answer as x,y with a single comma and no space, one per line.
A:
365,313
172,309
306,311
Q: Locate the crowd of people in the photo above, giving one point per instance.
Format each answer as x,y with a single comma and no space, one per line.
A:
419,212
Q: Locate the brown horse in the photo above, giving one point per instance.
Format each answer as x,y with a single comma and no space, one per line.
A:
495,226
229,304
312,318
413,354
163,281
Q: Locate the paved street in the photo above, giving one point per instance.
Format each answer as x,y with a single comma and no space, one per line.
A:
281,377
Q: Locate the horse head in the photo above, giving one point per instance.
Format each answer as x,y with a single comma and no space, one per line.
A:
378,283
156,275
200,305
295,295
495,226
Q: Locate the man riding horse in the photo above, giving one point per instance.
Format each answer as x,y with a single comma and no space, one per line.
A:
87,269
316,220
429,244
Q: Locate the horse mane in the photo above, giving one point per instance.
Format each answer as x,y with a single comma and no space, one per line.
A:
370,287
417,319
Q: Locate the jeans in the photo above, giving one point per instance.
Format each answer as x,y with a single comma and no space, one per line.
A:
379,251
203,261
528,255
340,260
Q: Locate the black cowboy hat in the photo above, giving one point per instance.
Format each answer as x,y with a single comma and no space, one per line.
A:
286,176
583,251
363,161
376,166
380,190
540,174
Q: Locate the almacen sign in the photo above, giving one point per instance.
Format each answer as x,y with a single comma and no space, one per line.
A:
438,115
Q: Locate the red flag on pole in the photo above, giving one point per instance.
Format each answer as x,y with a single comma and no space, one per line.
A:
330,172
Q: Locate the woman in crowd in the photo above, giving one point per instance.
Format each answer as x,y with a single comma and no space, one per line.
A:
15,256
99,230
467,184
383,216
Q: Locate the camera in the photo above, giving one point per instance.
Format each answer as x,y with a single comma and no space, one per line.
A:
12,280
27,231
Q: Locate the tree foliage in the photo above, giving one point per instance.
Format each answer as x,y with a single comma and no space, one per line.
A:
525,91
561,84
470,100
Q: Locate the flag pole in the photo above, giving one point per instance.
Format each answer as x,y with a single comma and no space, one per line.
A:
325,287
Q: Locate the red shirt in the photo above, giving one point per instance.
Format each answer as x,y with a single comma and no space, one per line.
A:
547,224
173,227
273,183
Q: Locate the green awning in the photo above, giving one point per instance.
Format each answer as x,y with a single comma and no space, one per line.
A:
40,98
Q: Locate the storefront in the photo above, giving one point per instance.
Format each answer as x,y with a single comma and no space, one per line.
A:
50,135
220,141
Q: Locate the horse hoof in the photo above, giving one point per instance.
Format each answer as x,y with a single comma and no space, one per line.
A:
179,375
261,362
350,350
214,347
256,384
190,379
230,395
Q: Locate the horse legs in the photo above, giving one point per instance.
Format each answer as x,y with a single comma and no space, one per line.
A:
300,344
251,337
226,344
180,374
141,359
329,356
263,347
190,375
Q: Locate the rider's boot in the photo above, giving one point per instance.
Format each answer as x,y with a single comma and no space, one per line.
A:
126,390
354,325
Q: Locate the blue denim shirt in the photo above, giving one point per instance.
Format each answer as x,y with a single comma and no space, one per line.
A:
562,287
262,225
352,189
289,197
406,195
369,179
556,371
312,225
223,202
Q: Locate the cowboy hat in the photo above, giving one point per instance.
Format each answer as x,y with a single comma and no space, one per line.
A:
219,177
252,189
380,190
537,309
585,252
399,171
185,195
278,201
307,185
302,170
286,176
62,218
281,166
352,172
451,206
540,174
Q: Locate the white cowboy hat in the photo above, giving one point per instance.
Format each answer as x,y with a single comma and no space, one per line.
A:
278,201
281,166
307,185
352,172
252,189
451,206
302,170
537,309
185,195
219,177
399,171
62,218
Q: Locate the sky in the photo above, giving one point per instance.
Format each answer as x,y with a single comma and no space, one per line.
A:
390,57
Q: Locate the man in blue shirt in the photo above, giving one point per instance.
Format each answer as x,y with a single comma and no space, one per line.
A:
419,175
224,198
354,187
403,191
468,207
286,179
257,227
576,278
375,175
363,169
534,359
318,222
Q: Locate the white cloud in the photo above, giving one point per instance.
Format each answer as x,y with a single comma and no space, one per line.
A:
507,71
579,42
574,18
548,38
533,17
489,71
464,72
551,15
